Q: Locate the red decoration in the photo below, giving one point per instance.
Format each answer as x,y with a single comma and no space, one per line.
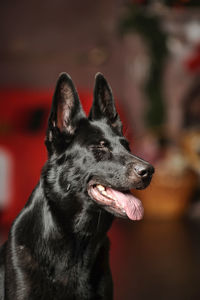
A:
193,63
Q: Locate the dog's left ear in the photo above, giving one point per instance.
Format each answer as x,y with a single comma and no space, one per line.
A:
103,104
66,110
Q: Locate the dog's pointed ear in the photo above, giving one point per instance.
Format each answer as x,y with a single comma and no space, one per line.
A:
66,109
103,104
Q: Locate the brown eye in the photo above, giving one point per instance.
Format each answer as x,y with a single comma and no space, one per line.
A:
101,150
102,144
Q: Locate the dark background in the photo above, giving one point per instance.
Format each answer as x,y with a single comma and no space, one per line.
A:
159,257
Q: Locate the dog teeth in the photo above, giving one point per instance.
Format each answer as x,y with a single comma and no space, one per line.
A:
104,193
100,187
102,190
109,199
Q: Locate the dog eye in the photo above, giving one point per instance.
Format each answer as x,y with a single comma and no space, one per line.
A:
100,145
103,144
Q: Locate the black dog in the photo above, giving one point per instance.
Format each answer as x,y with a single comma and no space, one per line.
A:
57,247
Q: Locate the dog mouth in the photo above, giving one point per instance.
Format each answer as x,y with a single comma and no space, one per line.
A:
122,204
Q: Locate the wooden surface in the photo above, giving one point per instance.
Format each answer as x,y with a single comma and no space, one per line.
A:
156,260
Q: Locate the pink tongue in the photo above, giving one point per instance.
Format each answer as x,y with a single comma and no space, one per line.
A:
132,206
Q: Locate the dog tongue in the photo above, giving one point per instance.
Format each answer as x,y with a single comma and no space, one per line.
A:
132,206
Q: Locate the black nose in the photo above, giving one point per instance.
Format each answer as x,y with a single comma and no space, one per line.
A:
144,171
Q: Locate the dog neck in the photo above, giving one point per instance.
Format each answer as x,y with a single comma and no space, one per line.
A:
57,241
75,220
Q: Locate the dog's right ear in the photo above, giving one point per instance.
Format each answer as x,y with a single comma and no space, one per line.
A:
66,111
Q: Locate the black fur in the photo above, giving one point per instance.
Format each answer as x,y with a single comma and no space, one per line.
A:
57,247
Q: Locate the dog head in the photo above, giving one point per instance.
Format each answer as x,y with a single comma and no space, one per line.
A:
89,158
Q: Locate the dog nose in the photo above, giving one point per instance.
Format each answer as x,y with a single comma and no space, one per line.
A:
144,171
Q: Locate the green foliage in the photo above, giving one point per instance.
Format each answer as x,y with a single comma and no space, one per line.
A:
149,27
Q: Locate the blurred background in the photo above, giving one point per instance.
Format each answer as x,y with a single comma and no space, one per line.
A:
150,53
